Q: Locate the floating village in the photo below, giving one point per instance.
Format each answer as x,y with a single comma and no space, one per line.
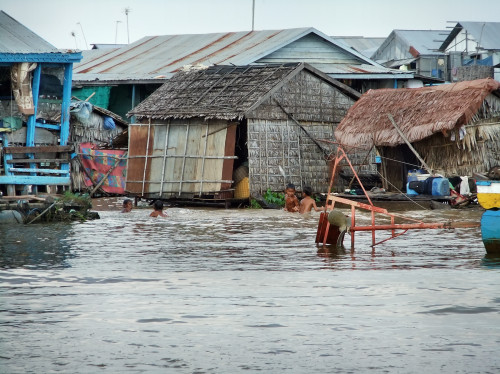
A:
229,119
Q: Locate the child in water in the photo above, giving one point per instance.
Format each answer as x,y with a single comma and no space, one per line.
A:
291,201
307,203
127,206
158,209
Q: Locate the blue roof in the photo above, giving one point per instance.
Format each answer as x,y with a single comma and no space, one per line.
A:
20,44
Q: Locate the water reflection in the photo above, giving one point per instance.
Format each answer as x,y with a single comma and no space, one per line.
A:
35,246
491,261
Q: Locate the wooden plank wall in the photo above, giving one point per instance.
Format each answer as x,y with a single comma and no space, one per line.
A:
187,157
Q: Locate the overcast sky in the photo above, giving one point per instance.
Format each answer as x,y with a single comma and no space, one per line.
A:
96,21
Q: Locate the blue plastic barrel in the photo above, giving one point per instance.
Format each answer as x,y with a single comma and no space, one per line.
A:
440,187
412,175
409,191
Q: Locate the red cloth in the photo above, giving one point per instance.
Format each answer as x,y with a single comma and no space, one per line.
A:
98,162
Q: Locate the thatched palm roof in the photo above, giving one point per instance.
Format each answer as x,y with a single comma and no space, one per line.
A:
418,112
223,92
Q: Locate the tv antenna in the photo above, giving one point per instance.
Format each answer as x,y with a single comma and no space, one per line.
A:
81,28
127,10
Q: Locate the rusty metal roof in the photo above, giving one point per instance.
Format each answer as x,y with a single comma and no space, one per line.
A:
159,57
17,38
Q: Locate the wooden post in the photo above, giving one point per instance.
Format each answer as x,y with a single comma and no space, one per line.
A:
408,143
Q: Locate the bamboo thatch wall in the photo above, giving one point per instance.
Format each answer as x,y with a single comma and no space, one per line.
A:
478,151
275,138
283,144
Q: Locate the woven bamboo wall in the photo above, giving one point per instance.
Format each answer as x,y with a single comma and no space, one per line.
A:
275,140
275,144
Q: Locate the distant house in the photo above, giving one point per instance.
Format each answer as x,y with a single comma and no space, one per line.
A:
123,77
415,50
204,126
474,50
35,93
455,128
362,44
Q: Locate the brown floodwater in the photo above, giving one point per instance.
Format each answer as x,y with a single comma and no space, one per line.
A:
226,291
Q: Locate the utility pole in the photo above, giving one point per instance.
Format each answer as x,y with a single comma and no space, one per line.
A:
253,14
127,11
116,32
85,40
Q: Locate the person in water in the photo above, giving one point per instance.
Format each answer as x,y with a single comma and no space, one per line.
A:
291,201
127,206
307,203
158,209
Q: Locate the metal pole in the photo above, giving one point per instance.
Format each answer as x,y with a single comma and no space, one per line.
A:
253,14
127,11
116,32
84,39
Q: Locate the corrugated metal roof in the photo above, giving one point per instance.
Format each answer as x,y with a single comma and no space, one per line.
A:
17,38
426,42
487,34
154,56
366,46
406,44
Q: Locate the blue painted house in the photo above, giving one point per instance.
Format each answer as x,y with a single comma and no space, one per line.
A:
35,93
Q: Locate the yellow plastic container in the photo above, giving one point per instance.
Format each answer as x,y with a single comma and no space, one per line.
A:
242,189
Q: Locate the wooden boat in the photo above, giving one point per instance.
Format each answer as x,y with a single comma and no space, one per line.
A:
490,231
488,193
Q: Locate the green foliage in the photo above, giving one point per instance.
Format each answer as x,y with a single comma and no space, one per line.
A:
82,200
277,198
254,204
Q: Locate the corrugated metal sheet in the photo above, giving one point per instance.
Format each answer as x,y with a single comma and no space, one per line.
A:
155,56
16,38
486,33
407,44
366,46
426,42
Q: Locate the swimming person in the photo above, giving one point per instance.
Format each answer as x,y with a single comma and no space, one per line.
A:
158,209
127,206
307,203
291,201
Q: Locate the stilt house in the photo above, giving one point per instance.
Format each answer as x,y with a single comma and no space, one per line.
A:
35,93
454,128
202,125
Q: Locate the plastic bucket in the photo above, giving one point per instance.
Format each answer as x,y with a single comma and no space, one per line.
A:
440,187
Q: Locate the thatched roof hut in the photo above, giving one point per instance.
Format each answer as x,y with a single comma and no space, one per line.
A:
454,127
202,124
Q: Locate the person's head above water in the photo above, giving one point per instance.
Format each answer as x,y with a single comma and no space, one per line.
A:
127,205
158,205
307,191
